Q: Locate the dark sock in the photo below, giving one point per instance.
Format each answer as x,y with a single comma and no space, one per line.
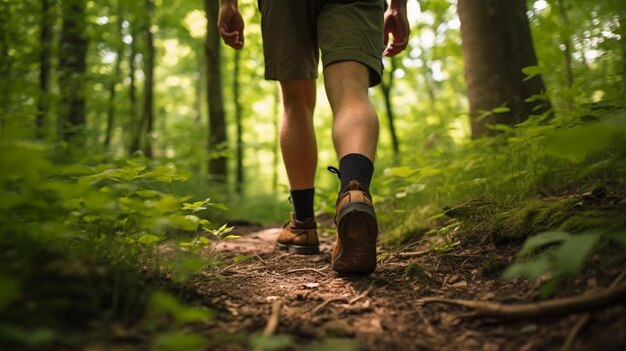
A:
356,167
303,203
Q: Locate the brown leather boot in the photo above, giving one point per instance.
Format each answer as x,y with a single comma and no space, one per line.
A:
357,231
299,237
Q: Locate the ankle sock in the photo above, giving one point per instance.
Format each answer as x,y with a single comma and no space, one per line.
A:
356,167
302,201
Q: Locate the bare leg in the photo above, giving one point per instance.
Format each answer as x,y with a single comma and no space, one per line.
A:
355,127
297,135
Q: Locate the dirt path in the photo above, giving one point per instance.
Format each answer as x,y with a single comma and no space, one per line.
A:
382,311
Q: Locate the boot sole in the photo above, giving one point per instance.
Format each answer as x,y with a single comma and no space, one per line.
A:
357,229
298,249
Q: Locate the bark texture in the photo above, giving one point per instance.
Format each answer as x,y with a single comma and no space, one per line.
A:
217,116
72,66
497,44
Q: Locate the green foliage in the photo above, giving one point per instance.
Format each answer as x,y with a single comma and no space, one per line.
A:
506,172
559,262
68,229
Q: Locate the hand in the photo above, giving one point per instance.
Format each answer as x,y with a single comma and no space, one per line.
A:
230,25
396,24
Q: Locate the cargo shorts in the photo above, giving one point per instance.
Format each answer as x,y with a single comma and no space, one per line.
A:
295,31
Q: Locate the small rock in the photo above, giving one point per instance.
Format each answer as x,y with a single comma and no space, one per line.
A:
311,285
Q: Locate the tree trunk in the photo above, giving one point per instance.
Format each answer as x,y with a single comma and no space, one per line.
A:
114,80
386,89
148,96
497,44
622,28
567,52
43,105
132,90
72,66
238,115
217,118
5,61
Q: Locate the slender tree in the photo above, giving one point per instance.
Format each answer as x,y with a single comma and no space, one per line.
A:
217,116
114,80
148,95
622,29
132,86
6,61
141,137
386,87
43,105
238,115
497,44
72,66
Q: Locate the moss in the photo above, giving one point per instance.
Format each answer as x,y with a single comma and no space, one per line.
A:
571,214
416,272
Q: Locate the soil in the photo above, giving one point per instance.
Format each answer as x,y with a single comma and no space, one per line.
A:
384,311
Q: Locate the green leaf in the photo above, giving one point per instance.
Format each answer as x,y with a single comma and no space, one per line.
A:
532,71
531,269
578,142
573,252
149,239
501,109
217,206
196,206
542,239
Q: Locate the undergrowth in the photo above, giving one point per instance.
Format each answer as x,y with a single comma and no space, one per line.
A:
85,246
550,174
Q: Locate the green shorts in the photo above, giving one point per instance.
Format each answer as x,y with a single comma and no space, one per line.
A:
294,31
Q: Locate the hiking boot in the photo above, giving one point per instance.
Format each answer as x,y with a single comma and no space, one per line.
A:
357,230
299,237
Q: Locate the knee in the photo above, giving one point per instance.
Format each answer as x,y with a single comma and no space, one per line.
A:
298,96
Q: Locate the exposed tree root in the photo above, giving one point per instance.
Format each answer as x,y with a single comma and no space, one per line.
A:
342,299
582,321
539,309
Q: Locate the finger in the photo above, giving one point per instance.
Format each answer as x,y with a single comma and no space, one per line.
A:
230,38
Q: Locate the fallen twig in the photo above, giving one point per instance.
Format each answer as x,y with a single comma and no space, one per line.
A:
582,321
362,295
316,270
260,259
412,254
272,322
326,302
539,309
343,299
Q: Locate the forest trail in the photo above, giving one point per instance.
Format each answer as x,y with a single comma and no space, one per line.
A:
302,297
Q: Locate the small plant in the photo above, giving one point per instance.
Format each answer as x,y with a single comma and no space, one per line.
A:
562,256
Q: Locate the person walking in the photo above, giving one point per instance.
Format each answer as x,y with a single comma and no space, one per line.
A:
352,37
